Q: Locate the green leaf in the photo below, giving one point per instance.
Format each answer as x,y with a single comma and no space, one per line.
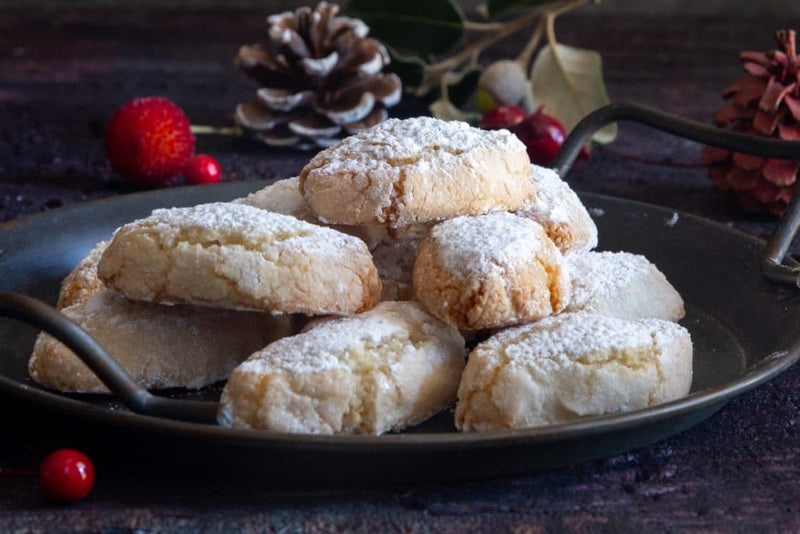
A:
500,7
463,86
568,82
419,26
410,68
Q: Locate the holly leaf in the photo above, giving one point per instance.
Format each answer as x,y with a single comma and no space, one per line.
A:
463,85
419,26
411,69
496,8
568,83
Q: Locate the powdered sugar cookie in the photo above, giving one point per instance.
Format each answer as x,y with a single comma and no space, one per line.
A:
283,196
236,256
570,366
394,260
490,271
556,207
384,369
416,170
82,282
623,285
159,346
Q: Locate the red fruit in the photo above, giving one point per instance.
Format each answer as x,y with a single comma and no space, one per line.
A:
543,136
202,169
66,475
502,116
149,141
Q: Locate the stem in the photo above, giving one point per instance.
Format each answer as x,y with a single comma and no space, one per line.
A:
483,26
524,57
507,29
201,129
433,74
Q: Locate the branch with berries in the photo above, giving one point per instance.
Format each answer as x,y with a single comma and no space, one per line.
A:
438,52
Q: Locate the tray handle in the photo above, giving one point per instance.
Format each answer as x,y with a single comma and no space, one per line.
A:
778,245
38,314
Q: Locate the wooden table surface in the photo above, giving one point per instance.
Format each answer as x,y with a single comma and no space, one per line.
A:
64,72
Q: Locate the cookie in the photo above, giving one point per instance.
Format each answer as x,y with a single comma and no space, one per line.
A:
490,271
571,366
283,196
160,346
235,256
621,284
417,170
385,369
394,260
556,207
82,282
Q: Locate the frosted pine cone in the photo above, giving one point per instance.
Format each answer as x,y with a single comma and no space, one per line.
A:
321,79
765,102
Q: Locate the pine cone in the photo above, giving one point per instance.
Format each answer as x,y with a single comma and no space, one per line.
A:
766,102
321,79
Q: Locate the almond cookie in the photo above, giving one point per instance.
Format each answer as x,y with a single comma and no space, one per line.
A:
621,284
283,196
82,282
385,369
416,170
570,366
160,346
556,207
235,256
490,271
394,260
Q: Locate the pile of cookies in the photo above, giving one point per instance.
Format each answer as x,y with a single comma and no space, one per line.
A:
437,267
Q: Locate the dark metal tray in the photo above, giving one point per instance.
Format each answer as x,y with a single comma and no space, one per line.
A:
745,331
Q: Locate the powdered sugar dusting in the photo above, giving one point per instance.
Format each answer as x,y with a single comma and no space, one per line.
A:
225,223
405,171
603,274
472,245
396,142
282,196
327,345
587,337
554,199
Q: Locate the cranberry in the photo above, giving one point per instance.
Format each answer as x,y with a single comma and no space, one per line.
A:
543,136
202,169
502,116
66,475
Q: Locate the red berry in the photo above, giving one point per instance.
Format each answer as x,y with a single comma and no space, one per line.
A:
202,169
149,141
543,136
66,475
502,116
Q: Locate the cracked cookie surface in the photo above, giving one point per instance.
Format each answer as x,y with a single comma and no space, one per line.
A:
490,271
422,169
385,369
557,207
236,256
82,282
621,284
570,366
283,196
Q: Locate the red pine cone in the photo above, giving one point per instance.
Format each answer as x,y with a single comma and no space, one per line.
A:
765,102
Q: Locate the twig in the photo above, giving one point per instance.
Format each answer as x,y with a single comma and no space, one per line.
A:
202,129
435,74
